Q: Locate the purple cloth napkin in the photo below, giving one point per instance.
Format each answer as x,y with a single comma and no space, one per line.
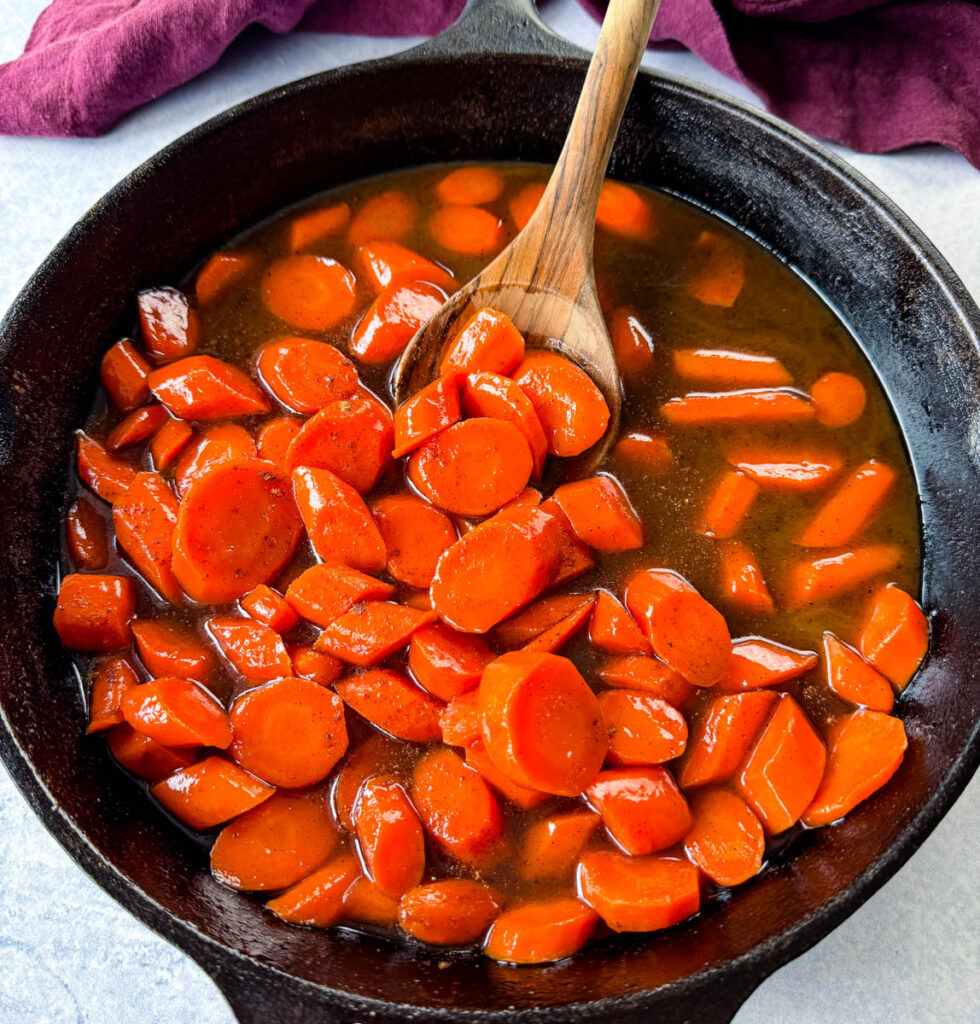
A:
874,74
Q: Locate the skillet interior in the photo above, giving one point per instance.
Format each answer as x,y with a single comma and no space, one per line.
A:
452,101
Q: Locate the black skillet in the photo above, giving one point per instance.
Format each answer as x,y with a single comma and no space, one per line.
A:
497,85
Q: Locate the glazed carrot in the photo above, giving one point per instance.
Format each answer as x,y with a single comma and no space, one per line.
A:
253,650
309,663
683,629
306,375
865,749
492,395
472,468
269,607
525,202
177,713
237,527
205,388
366,903
600,513
324,592
124,372
392,319
415,535
542,725
812,580
144,519
612,628
352,438
752,406
86,536
388,216
488,342
143,757
639,672
448,912
275,437
429,411
639,894
851,508
338,522
839,399
574,557
389,835
210,792
456,806
469,230
719,272
371,631
642,808
479,760
729,368
783,769
742,582
445,662
470,186
895,637
726,840
530,496
572,410
631,341
312,293
111,679
623,211
169,327
650,451
93,612
171,649
388,263
275,844
312,226
853,679
289,732
756,663
728,506
461,721
551,846
541,931
643,729
106,474
523,628
219,273
137,427
788,469
497,568
555,637
318,900
392,702
168,442
722,736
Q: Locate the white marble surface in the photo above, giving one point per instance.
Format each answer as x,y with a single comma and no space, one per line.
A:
69,953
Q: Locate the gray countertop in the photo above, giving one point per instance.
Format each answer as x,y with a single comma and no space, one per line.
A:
69,953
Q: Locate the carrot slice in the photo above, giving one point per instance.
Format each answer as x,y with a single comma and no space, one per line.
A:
456,806
324,592
612,628
550,847
639,894
205,388
642,808
392,319
365,902
631,341
540,617
237,527
253,650
541,723
388,263
371,631
623,211
525,202
390,701
372,757
448,912
168,442
726,841
719,272
309,663
555,637
390,837
487,343
446,662
729,368
86,536
783,769
219,273
865,750
683,629
752,406
177,713
172,649
495,396
470,186
574,557
600,513
170,328
275,437
853,679
469,230
310,227
639,672
306,375
479,760
144,519
415,535
839,399
461,721
425,414
756,663
541,931
728,506
788,469
112,679
124,372
572,410
388,216
143,757
643,729
497,568
318,900
309,292
210,792
93,612
741,579
352,438
813,580
137,427
721,738
651,451
107,475
895,637
851,508
269,607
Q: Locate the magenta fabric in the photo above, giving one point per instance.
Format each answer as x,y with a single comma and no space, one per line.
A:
874,74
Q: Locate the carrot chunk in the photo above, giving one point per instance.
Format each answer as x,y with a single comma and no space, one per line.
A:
839,399
324,592
446,662
850,510
390,837
726,841
642,808
525,202
137,427
540,617
728,368
237,527
112,679
306,375
574,557
393,703
631,341
854,679
523,797
106,474
275,437
470,186
721,738
469,230
865,750
86,536
172,649
895,637
729,504
541,931
312,226
612,628
309,663
365,902
425,414
124,372
551,846
752,406
650,451
741,579
600,513
269,607
787,469
177,713
168,442
253,650
415,535
487,343
719,272
205,388
448,912
813,580
219,273
144,519
318,900
639,672
169,327
388,216
388,263
623,211
643,729
309,292
93,612
143,757
497,397
756,663
555,637
210,792
392,319
371,631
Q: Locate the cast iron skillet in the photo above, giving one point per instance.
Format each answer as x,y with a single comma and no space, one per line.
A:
497,85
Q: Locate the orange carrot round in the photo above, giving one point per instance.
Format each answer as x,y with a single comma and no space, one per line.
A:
388,216
169,648
308,663
390,836
93,612
623,211
371,632
742,582
752,406
392,319
210,792
312,226
275,437
498,397
388,263
854,679
306,375
551,846
895,638
756,662
107,475
726,840
145,758
525,202
205,388
839,399
469,230
137,427
168,442
728,505
643,729
718,271
848,511
219,273
169,327
487,342
318,900
448,912
124,372
269,607
253,650
428,412
177,713
415,535
144,519
600,513
86,536
446,662
470,186
728,368
112,679
541,931
324,592
392,702
631,341
373,756
642,808
309,292
651,675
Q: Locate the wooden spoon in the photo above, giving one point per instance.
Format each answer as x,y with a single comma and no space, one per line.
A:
543,280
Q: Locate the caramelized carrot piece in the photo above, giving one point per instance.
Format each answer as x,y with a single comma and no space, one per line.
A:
853,679
741,579
639,672
112,679
752,406
651,451
642,808
756,663
392,319
813,580
388,263
540,931
93,612
540,617
210,792
487,343
550,847
309,663
237,527
729,368
269,607
371,758
728,506
324,592
461,721
124,372
446,662
392,702
144,519
172,649
555,637
106,474
86,536
275,437
365,902
479,760
574,557
137,427
497,397
469,230
525,202
143,757
390,837
312,226
306,375
623,211
318,900
371,631
470,186
415,535
726,840
895,637
219,273
312,293
169,327
643,729
177,713
631,341
721,738
253,650
600,513
205,388
168,442
839,399
448,912
612,628
388,216
429,411
788,469
719,272
865,750
851,508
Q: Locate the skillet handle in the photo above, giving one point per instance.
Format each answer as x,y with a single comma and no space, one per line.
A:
499,26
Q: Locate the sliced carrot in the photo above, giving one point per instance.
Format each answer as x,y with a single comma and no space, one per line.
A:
169,327
253,650
143,757
758,663
783,769
177,713
600,513
306,375
448,912
623,211
524,203
752,406
728,506
612,628
555,637
495,396
497,568
865,750
137,427
352,438
854,679
717,745
642,808
144,519
124,372
839,399
487,343
219,273
742,582
895,637
269,607
168,442
309,663
479,760
388,263
540,617
813,580
550,847
309,292
719,271
456,806
311,226
469,230
788,469
572,410
172,649
388,216
112,679
530,496
851,508
275,437
390,836
650,451
237,527
643,729
631,341
86,536
470,186
106,474
574,557
446,662
371,631
93,612
205,388
726,840
393,703
210,792
429,411
540,931
318,900
729,368
461,721
366,903
415,535
392,319
324,592
373,756
639,672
